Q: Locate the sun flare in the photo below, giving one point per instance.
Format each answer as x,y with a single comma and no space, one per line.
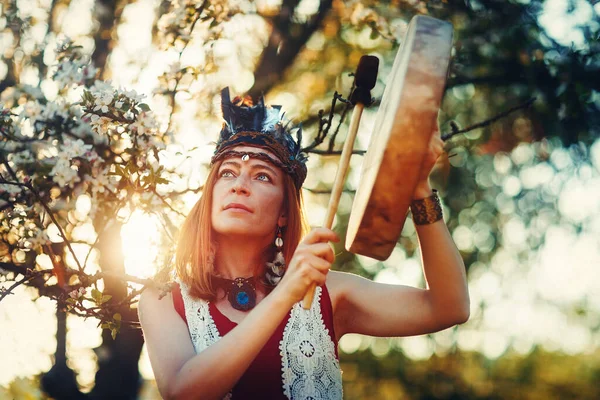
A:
140,238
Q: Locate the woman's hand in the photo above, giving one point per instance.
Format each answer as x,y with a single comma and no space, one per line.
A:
309,264
435,149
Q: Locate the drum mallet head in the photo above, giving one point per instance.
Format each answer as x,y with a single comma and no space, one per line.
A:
365,79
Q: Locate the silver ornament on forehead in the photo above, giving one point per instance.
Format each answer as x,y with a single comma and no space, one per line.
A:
245,157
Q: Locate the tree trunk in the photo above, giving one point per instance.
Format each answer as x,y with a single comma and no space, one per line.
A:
118,375
60,382
286,40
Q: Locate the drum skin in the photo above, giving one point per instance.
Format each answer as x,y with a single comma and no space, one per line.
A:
402,130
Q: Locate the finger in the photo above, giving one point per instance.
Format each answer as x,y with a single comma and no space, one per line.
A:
318,235
323,250
312,262
309,254
316,276
318,263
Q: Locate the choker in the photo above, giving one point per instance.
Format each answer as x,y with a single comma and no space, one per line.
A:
241,292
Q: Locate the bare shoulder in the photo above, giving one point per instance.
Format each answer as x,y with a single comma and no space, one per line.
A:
151,301
155,309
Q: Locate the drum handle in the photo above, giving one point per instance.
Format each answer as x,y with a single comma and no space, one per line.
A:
338,184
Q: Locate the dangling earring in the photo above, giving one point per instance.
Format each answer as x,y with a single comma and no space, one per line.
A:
274,270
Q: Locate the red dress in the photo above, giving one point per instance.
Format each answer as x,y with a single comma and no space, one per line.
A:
262,379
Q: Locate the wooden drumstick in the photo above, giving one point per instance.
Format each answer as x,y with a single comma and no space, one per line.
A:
364,80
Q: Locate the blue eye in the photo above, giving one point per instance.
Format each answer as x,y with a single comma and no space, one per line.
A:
264,177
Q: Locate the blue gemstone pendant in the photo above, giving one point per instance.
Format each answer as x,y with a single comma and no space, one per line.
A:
242,295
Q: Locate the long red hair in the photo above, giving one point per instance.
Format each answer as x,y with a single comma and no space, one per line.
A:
194,259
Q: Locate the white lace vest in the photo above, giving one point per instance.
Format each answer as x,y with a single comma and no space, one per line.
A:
310,370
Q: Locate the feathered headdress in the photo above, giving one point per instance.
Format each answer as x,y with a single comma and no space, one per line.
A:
263,127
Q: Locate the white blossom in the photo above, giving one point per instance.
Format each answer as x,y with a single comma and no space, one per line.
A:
145,124
102,182
100,125
73,72
103,100
63,174
76,148
100,87
176,17
133,95
17,231
54,109
32,110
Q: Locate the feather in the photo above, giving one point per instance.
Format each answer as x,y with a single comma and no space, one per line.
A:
299,136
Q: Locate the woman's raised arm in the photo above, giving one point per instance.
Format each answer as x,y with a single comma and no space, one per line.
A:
363,306
377,309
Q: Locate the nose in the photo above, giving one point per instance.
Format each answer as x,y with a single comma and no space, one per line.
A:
240,185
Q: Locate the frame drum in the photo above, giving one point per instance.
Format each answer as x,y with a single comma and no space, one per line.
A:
403,127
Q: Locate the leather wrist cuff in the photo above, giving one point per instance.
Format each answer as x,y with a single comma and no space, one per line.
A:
426,211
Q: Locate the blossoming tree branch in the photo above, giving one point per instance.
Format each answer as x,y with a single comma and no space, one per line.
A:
103,150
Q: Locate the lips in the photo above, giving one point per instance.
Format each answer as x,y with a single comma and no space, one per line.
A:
237,206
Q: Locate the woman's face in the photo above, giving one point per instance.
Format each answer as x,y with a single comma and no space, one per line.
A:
247,196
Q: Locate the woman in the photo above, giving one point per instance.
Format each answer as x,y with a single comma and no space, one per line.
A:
234,326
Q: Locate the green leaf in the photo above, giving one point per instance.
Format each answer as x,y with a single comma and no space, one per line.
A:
105,298
144,107
113,333
374,34
117,317
97,296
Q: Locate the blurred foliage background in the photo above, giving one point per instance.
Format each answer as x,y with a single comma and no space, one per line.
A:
521,195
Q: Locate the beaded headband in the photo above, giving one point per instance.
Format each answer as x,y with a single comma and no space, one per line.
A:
263,127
